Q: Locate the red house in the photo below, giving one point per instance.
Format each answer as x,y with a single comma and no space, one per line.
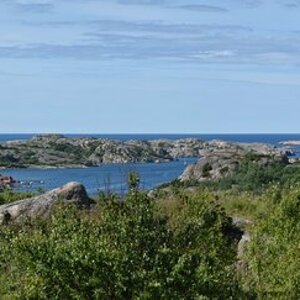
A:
7,180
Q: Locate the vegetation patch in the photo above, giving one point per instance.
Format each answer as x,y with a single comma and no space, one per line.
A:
121,250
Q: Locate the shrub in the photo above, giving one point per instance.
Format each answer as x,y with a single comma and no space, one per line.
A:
121,250
8,196
273,255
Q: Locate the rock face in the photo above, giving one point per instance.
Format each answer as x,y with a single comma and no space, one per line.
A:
295,160
290,143
59,151
243,242
221,159
41,206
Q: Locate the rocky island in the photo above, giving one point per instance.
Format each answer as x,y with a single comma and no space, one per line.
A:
54,151
59,151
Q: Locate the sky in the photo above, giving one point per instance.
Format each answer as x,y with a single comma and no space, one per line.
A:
150,66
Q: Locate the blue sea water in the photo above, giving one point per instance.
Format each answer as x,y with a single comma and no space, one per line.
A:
113,176
243,138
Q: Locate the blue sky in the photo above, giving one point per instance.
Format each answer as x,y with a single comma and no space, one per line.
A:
150,66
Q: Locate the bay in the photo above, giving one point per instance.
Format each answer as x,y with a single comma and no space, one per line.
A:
113,177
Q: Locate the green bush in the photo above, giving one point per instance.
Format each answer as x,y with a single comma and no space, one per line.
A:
121,250
8,196
274,254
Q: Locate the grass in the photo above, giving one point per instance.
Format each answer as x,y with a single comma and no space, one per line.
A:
8,196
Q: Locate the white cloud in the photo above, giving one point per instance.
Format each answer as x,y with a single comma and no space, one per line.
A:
96,30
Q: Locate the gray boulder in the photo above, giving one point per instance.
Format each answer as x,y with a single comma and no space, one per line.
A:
211,167
40,206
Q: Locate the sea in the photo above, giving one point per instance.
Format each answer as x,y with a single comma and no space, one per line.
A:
113,177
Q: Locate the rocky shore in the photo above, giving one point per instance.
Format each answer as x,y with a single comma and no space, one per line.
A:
221,159
290,143
57,151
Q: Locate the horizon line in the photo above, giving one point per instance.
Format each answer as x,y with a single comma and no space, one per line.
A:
151,133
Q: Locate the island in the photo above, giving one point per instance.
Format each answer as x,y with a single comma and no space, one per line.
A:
58,151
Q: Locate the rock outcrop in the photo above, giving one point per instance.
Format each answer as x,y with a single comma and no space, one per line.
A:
59,151
290,143
294,160
221,159
244,240
40,206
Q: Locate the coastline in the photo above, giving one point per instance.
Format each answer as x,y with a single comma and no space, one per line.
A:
56,151
290,143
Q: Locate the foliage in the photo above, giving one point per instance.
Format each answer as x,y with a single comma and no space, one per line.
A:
9,161
250,176
254,176
179,245
8,196
273,255
64,147
121,250
133,181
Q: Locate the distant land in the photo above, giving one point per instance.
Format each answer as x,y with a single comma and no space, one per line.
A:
59,151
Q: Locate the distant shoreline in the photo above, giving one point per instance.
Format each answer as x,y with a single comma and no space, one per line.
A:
290,143
56,151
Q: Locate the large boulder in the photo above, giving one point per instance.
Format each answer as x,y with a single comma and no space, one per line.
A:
211,167
40,206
